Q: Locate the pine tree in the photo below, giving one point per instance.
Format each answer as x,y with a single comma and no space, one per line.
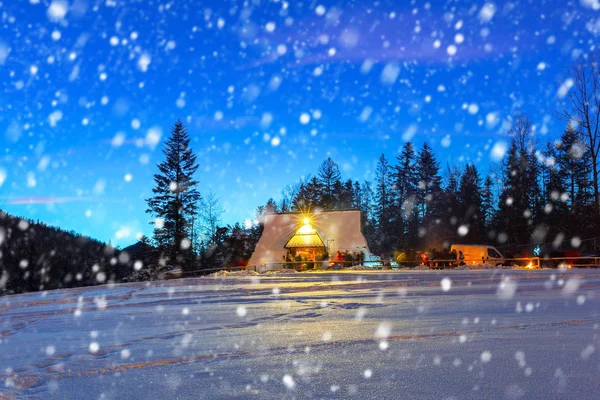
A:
405,178
450,204
519,204
175,197
405,184
309,195
452,176
347,195
487,204
428,193
509,207
367,220
573,161
271,206
556,211
366,205
469,197
532,177
384,206
357,196
328,177
336,202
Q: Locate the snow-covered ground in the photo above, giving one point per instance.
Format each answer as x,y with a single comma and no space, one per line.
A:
385,335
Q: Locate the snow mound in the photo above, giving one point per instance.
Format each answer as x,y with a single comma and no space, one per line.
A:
244,272
283,271
358,268
220,273
482,266
234,273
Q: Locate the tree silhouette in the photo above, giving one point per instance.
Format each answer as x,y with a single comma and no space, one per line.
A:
175,197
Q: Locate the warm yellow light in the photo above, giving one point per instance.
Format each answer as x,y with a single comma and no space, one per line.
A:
306,221
305,230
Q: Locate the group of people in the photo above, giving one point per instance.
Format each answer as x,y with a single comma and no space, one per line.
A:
289,257
340,260
433,258
347,259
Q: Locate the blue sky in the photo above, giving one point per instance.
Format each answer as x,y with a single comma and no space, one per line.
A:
267,89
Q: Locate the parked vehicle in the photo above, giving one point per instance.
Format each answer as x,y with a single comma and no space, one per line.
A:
479,254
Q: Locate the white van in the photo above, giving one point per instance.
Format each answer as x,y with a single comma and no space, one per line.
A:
479,254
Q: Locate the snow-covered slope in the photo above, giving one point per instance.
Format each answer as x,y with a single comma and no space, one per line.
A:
429,334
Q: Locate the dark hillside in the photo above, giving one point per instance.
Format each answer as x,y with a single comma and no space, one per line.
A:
34,256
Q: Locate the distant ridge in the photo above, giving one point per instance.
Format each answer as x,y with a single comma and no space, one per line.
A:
34,256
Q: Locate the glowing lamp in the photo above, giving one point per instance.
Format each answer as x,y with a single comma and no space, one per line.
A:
306,221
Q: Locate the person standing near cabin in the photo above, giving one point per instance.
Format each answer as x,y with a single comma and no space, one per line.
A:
338,259
461,258
347,259
421,257
431,256
454,258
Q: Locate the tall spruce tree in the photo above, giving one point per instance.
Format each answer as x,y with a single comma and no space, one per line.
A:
533,180
271,207
556,211
469,197
367,215
488,205
175,197
429,194
519,205
405,178
357,198
384,207
309,195
511,203
346,196
405,184
574,170
329,178
450,203
573,160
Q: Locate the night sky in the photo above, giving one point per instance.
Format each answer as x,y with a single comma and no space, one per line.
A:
267,89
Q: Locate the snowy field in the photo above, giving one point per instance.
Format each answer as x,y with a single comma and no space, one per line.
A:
384,335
